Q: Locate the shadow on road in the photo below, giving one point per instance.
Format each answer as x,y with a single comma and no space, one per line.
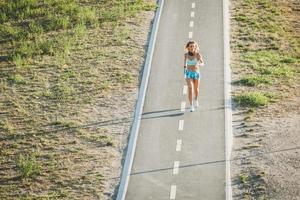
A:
210,162
162,113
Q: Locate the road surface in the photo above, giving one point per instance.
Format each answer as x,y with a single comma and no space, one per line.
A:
180,155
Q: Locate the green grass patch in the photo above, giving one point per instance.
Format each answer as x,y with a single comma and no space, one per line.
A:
101,139
18,61
16,79
244,178
251,99
269,64
28,165
253,80
125,9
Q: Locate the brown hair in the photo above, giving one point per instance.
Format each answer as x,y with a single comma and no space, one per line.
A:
192,42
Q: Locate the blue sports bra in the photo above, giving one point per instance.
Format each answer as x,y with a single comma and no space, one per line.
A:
191,62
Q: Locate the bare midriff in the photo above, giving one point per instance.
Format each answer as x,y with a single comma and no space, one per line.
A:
192,68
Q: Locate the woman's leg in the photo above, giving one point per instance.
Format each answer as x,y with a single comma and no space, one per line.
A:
190,90
196,92
196,83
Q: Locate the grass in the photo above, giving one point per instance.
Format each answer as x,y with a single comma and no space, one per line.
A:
266,49
7,126
252,183
28,165
271,64
101,140
251,146
253,80
16,79
265,61
252,99
244,178
57,69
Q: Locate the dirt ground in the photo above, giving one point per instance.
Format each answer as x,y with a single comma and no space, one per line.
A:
266,152
120,108
266,145
83,159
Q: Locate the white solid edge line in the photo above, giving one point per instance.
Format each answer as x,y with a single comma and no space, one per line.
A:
139,108
227,97
173,192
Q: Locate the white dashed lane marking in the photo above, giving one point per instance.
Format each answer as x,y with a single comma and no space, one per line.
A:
181,122
173,192
176,167
191,24
192,14
183,106
178,145
180,125
190,35
184,91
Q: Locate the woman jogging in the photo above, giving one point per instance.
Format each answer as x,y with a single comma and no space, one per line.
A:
192,61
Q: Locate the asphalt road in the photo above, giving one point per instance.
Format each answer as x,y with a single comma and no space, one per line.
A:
180,155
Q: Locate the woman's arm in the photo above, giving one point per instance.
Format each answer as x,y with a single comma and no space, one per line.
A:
184,62
200,58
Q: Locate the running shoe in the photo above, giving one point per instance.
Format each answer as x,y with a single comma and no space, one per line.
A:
192,109
196,102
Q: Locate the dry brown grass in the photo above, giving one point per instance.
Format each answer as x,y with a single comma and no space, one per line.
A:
65,114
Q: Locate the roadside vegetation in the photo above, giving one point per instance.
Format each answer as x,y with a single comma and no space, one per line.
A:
266,48
265,61
55,65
